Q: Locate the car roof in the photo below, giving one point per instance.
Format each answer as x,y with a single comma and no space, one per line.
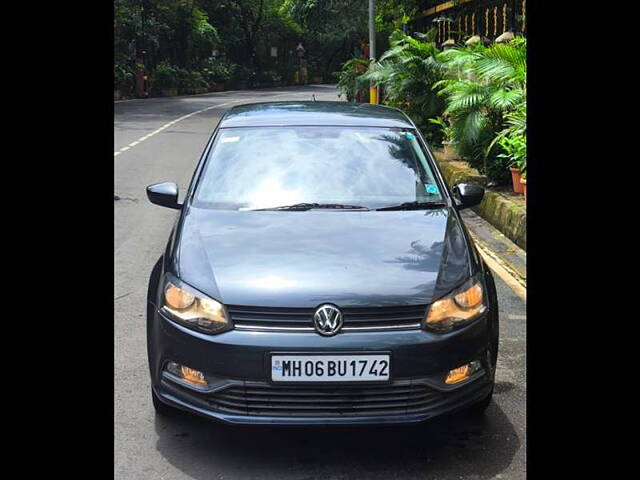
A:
322,113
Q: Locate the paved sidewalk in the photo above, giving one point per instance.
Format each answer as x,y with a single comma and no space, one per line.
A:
511,260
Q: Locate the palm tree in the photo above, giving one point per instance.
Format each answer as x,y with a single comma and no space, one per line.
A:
484,85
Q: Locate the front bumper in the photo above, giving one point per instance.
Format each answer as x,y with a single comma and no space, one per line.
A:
242,392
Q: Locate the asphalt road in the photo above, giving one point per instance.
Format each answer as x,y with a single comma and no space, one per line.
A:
191,447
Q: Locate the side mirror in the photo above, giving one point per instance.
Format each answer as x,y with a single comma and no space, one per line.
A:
164,194
467,195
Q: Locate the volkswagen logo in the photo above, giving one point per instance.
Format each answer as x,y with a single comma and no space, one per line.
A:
327,320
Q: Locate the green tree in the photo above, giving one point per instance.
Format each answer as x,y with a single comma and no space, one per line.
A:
331,30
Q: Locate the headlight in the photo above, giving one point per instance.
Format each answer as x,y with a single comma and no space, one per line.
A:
193,309
458,308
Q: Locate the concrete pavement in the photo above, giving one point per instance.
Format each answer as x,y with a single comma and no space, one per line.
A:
189,447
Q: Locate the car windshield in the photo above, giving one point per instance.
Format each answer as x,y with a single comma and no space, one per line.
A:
262,167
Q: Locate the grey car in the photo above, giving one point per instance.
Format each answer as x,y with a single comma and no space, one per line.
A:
319,273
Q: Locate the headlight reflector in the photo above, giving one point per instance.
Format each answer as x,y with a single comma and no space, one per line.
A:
177,298
194,309
457,308
470,297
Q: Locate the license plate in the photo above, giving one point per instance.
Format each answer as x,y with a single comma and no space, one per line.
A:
330,368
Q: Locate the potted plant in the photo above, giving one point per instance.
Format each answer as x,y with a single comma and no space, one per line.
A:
515,151
165,79
516,177
523,181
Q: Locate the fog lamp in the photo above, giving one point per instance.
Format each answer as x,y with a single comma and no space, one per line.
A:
462,373
195,377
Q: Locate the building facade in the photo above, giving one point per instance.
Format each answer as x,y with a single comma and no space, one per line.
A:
458,21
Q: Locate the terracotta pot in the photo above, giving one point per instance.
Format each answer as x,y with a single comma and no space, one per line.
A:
217,87
515,179
524,187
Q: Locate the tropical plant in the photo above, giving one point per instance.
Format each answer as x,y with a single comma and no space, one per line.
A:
408,71
484,85
350,78
513,139
515,151
445,128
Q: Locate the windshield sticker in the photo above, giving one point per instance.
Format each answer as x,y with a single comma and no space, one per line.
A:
229,139
432,189
409,135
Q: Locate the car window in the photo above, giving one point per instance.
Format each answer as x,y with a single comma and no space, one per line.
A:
262,167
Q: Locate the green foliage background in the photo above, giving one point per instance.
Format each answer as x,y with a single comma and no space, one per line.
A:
471,96
183,34
474,97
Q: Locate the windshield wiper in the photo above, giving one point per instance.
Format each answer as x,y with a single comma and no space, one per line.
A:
414,206
309,206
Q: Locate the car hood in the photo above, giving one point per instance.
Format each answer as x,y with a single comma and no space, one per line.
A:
305,258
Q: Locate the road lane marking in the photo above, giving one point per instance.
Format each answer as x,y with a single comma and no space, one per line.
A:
167,125
508,275
173,122
513,316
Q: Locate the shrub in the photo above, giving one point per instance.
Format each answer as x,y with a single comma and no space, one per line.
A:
484,88
408,72
268,78
217,71
350,78
164,77
191,81
243,77
123,78
513,139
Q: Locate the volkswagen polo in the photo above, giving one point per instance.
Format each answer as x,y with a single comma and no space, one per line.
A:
319,272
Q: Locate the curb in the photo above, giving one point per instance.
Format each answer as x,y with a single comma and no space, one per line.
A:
501,255
504,214
502,271
228,91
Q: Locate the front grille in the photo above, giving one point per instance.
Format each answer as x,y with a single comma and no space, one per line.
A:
262,399
301,319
